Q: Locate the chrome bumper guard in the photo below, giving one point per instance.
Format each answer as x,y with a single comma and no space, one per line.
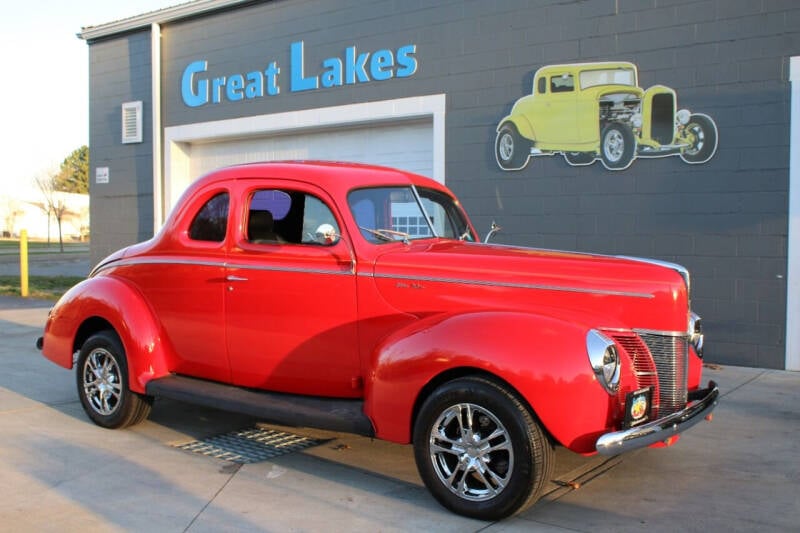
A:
701,403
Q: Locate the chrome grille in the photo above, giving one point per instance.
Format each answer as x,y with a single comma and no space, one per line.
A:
671,356
643,369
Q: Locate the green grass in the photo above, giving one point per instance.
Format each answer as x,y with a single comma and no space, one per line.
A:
44,287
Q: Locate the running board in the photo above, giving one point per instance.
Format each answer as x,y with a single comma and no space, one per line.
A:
333,414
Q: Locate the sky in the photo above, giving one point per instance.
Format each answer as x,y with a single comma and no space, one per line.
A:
45,90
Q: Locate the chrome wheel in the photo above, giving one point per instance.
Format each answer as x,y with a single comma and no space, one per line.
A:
617,146
101,374
613,146
510,149
505,147
479,450
471,452
698,139
102,382
701,134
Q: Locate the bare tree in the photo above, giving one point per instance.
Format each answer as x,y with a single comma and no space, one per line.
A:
54,204
12,212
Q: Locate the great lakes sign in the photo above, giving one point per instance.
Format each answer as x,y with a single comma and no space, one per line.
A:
199,89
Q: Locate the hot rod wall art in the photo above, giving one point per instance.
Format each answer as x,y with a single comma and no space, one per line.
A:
591,111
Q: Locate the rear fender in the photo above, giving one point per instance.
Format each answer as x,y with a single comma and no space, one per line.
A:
542,358
101,302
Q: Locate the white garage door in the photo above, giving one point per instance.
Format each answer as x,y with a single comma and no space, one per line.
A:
406,133
406,145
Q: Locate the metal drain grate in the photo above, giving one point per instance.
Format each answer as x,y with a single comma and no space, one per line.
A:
249,445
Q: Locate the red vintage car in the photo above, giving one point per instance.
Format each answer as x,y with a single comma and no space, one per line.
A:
358,298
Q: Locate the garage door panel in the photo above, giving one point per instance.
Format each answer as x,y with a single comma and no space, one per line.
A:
406,145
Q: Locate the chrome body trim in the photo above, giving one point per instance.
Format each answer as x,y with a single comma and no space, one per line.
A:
660,430
152,261
661,333
298,270
349,272
507,285
219,264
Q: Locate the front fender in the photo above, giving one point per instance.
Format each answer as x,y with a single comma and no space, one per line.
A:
108,300
543,358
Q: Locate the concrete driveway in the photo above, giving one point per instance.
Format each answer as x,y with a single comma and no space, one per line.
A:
59,472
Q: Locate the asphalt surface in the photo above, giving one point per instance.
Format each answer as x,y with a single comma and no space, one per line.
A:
73,262
59,472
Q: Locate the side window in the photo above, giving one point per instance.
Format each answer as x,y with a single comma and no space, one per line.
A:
289,217
542,85
319,224
562,84
211,222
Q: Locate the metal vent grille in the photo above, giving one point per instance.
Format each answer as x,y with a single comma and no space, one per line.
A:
671,357
249,445
132,122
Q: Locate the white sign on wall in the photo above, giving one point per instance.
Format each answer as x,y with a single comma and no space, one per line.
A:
101,175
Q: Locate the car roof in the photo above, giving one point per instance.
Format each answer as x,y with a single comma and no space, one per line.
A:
332,176
588,66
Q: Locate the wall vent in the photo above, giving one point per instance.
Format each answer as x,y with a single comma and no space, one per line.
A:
132,122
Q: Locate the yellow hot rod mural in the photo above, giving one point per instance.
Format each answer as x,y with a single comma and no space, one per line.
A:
590,111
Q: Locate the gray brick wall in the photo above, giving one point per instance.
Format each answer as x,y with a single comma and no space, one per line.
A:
725,220
122,209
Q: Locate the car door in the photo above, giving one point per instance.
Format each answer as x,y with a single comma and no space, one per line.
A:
291,295
556,111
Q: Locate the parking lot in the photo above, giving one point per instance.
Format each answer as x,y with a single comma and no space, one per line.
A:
60,472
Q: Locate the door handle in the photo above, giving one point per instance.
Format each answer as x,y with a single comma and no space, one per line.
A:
235,278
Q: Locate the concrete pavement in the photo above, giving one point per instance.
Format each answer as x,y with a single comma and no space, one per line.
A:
59,472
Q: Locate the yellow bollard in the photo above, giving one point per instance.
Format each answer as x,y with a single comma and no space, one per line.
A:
23,263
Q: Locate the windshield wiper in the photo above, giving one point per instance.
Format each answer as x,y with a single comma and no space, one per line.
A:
388,235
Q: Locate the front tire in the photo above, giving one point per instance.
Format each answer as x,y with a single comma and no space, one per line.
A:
617,146
479,450
703,135
102,380
511,150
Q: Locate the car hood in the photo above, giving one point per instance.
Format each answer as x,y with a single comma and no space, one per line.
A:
454,276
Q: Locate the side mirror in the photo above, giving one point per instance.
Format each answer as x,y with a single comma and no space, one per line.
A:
326,234
492,230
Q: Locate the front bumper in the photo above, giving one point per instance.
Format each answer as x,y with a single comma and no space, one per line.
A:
701,403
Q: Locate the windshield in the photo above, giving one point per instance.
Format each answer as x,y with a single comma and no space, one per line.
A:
609,76
388,214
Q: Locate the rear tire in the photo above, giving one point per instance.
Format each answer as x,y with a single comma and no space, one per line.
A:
511,150
479,450
102,379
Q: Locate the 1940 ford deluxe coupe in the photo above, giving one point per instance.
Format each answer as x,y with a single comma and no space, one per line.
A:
358,298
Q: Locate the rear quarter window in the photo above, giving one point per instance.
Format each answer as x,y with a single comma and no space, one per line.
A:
211,222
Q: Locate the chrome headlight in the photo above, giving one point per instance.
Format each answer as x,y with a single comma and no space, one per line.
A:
683,116
604,358
696,333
